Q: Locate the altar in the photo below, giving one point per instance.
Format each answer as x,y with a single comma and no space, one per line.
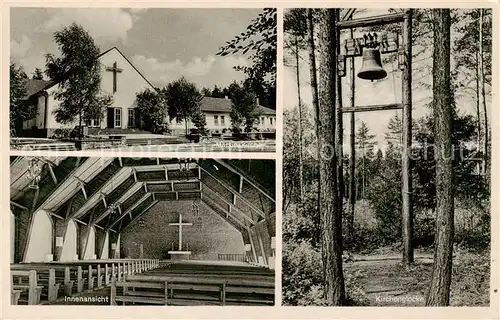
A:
179,254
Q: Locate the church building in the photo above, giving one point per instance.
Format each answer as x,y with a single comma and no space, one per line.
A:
153,230
122,80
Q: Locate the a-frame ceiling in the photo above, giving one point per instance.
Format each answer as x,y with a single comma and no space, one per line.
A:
111,193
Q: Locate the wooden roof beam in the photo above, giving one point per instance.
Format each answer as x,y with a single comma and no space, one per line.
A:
82,187
15,204
52,174
99,195
225,215
242,178
251,205
132,207
230,205
372,21
348,15
140,214
378,107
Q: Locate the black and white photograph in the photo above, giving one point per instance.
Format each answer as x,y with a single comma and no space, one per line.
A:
250,159
142,231
143,79
387,151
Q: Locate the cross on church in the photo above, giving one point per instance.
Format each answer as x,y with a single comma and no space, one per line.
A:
115,70
180,224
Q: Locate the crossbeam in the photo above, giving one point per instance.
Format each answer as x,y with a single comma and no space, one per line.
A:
132,207
15,204
376,107
372,21
225,214
230,206
234,192
348,15
242,178
140,214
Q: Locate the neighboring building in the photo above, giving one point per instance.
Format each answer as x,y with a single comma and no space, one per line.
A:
217,112
122,80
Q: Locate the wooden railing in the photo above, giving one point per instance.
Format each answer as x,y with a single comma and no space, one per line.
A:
35,283
231,257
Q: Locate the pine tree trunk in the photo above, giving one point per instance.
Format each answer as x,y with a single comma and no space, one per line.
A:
483,93
406,191
352,151
331,211
301,164
478,100
315,98
439,291
339,129
478,112
339,126
363,177
80,132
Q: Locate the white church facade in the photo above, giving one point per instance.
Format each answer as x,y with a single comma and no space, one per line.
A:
122,80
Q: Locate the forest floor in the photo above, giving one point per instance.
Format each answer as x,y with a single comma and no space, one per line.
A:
379,279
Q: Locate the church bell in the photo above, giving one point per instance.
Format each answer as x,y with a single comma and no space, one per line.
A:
372,65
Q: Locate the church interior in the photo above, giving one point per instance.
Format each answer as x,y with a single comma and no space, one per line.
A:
142,231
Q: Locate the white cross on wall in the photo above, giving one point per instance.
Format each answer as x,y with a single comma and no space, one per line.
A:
180,224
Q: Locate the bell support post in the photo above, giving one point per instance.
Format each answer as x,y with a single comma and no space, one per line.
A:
370,47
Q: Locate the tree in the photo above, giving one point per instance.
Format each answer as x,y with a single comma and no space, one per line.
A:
244,109
183,99
20,108
439,291
260,39
481,86
314,80
199,121
472,53
217,92
365,143
395,130
152,110
38,74
295,25
206,92
331,205
77,72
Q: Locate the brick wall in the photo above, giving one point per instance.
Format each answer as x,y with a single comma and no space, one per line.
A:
209,235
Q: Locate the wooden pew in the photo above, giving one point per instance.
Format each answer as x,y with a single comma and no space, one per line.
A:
30,286
166,290
14,297
59,279
50,284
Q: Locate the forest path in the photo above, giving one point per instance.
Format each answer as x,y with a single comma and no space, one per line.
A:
381,280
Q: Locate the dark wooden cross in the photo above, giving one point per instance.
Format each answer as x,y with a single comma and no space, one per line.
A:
115,70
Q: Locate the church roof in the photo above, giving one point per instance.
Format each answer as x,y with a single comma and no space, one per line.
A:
34,86
210,104
129,62
136,184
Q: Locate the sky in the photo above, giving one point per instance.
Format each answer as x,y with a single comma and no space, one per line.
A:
164,44
383,91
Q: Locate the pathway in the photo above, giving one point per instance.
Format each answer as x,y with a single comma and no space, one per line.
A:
381,280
